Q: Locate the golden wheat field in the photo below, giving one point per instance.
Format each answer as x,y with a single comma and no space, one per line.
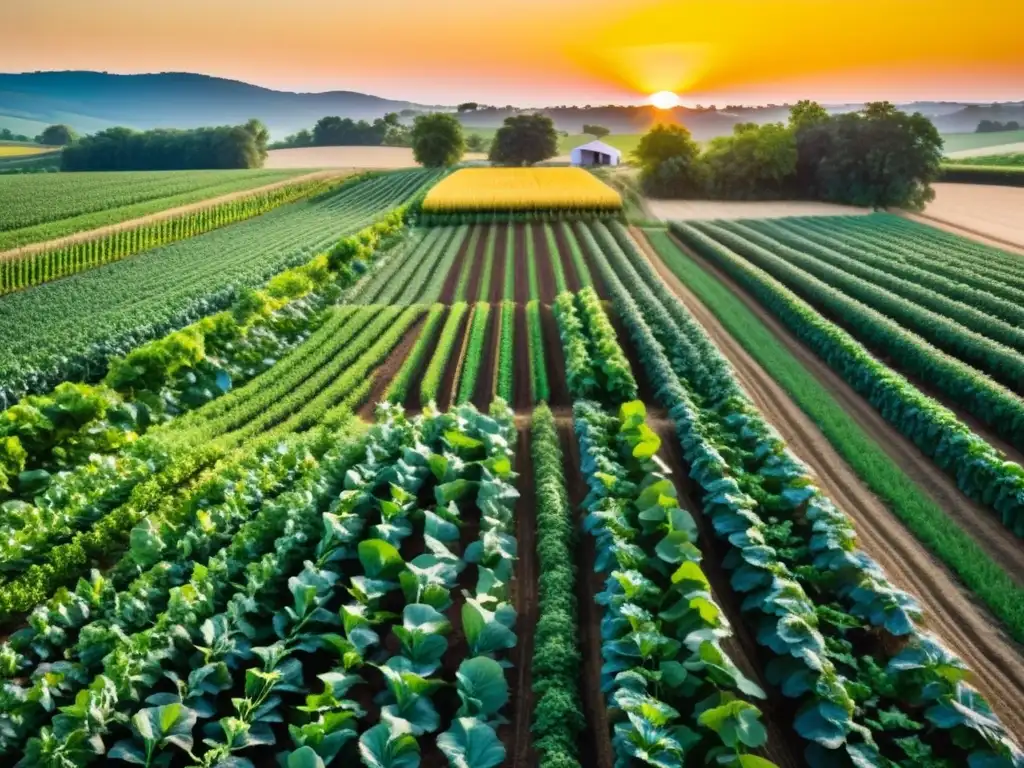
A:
518,189
17,150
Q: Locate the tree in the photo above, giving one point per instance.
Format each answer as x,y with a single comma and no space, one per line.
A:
524,140
437,140
597,131
669,161
57,135
806,113
756,162
260,136
469,106
476,143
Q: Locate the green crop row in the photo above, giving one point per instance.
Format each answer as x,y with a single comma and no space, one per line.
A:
1000,175
980,471
398,390
986,342
535,342
532,277
431,383
435,287
69,329
507,352
476,351
579,366
954,282
468,260
842,670
487,271
509,289
556,670
555,258
610,362
993,404
578,259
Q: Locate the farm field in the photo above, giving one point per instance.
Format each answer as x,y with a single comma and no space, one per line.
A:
36,207
987,211
488,492
21,150
957,145
345,157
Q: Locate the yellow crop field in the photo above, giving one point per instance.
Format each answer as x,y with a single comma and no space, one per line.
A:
521,189
15,150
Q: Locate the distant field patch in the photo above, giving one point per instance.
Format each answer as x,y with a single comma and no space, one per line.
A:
37,207
521,189
23,150
962,142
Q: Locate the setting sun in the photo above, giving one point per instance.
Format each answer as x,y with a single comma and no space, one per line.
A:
664,100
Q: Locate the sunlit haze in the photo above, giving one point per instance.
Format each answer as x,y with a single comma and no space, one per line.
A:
532,52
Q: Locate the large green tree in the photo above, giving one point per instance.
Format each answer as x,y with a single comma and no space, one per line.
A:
669,161
437,140
57,135
524,140
757,162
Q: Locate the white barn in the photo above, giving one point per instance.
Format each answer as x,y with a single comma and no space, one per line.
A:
595,153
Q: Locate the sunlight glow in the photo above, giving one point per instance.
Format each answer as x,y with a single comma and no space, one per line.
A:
664,100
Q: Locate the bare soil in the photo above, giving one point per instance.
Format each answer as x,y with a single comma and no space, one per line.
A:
451,281
990,214
572,279
169,213
387,370
520,753
412,399
950,610
554,360
522,384
496,290
595,273
449,382
487,379
644,389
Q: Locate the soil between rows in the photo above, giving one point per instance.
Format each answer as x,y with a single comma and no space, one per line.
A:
389,368
572,279
476,266
545,266
950,610
451,281
446,392
496,290
554,361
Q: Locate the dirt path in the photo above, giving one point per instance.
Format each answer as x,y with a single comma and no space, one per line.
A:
92,234
950,610
387,370
486,380
595,740
525,600
554,360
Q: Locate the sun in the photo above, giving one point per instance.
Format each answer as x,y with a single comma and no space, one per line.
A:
664,100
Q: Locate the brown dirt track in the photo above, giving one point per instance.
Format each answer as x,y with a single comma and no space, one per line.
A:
950,611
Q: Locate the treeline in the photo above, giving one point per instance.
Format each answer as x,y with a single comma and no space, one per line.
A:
879,157
123,149
994,126
335,131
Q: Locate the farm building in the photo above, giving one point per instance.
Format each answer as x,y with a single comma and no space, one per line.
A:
595,153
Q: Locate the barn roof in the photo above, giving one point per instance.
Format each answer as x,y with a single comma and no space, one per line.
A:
599,146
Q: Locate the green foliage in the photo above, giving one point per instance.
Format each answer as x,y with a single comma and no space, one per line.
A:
398,390
669,162
756,162
431,382
535,342
557,717
597,131
524,140
475,352
437,140
57,135
1010,174
507,352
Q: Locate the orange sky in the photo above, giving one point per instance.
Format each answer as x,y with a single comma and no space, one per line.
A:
544,51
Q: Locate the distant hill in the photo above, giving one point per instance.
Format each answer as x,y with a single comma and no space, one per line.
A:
90,101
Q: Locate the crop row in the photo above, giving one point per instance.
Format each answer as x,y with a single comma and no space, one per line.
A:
556,666
271,634
466,269
955,328
660,613
18,272
70,328
487,270
476,351
980,471
532,275
177,373
953,284
540,388
578,260
857,702
398,390
507,352
991,403
431,383
555,258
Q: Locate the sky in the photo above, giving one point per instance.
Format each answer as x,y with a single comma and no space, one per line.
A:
544,52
